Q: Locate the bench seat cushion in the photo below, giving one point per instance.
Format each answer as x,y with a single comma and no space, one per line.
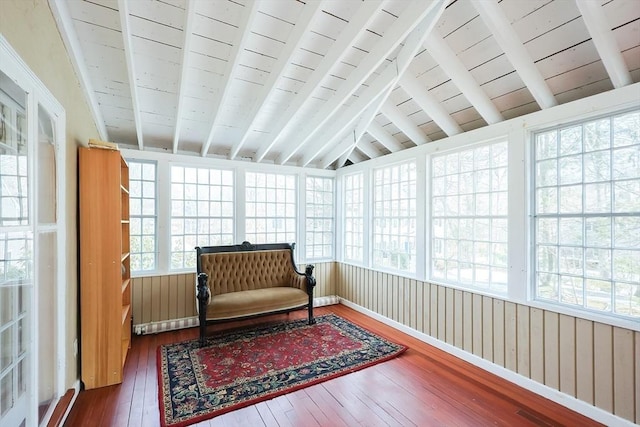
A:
252,302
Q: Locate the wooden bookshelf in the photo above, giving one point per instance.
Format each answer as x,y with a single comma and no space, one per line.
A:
105,280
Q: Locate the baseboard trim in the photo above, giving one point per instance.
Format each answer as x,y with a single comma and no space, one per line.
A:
165,325
563,399
192,322
61,412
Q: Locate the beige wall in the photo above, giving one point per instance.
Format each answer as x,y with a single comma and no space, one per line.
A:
591,361
29,26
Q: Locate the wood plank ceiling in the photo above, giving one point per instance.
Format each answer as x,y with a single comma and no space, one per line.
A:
328,83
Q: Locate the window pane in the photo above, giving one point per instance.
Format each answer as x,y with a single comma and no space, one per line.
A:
472,216
394,230
353,216
197,197
272,219
595,207
319,199
142,212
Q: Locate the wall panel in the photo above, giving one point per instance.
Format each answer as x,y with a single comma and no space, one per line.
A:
449,316
584,361
551,350
477,324
623,380
603,366
510,337
594,362
487,328
498,332
567,350
467,322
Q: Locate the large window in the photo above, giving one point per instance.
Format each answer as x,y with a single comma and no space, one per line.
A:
394,217
143,215
354,217
201,212
319,221
271,208
587,215
469,217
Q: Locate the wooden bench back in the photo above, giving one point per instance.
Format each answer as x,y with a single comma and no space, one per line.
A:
244,267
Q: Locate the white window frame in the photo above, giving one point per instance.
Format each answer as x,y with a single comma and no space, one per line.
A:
38,95
187,251
390,217
583,216
287,219
141,216
347,200
310,215
517,131
491,216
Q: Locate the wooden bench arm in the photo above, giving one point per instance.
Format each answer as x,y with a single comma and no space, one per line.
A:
311,281
203,295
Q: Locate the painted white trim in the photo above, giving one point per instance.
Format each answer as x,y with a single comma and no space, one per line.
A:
70,38
518,132
196,160
129,56
76,392
37,94
581,109
563,399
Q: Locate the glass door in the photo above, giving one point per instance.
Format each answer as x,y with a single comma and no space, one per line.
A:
16,256
32,272
46,253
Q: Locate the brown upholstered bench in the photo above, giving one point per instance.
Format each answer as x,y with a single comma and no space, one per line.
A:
243,281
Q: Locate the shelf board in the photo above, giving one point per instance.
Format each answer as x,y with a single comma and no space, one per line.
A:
125,349
125,283
124,256
123,189
125,312
125,221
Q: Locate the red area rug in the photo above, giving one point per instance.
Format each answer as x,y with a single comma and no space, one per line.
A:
242,367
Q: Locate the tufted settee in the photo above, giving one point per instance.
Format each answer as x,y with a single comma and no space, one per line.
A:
242,281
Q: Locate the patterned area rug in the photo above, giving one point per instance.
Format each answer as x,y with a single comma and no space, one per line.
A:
243,367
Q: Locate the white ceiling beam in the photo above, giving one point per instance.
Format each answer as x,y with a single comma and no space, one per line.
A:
190,12
70,37
429,104
244,29
369,150
384,137
411,18
605,42
363,17
379,89
123,8
355,157
404,123
461,77
344,149
309,13
495,19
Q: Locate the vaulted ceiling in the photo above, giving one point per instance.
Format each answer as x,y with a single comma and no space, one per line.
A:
328,83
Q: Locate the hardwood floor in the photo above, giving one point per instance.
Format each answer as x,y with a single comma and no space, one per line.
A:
422,387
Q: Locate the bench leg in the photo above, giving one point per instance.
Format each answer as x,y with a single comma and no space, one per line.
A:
312,320
203,325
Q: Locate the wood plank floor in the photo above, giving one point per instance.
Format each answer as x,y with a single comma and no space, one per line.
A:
422,387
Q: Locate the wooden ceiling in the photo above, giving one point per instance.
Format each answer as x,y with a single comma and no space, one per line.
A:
327,83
